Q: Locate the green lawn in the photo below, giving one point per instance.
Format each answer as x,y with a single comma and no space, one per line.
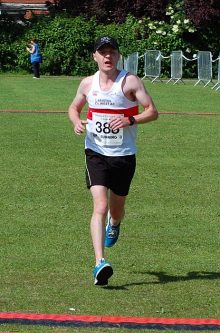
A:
56,94
166,262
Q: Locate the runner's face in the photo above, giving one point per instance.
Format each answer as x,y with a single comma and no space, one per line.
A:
106,57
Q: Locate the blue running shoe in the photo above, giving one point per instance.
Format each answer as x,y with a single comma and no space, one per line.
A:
102,273
112,233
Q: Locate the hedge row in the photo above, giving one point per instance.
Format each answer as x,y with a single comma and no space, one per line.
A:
67,43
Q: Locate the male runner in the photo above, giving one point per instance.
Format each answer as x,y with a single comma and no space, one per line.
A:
113,116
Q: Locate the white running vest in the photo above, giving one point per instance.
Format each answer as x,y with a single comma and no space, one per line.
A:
103,105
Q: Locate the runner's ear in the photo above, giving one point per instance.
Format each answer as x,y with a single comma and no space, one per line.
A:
94,57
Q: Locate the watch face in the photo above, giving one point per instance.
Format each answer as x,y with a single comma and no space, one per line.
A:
132,120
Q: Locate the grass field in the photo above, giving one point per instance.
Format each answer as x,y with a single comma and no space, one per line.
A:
56,93
167,260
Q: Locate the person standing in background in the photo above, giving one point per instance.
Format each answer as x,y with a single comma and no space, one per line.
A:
34,50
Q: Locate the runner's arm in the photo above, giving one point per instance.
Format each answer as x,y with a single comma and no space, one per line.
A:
75,109
134,89
150,112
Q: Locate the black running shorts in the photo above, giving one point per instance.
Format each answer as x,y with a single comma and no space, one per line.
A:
115,173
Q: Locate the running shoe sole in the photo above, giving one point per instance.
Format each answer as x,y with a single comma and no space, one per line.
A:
102,276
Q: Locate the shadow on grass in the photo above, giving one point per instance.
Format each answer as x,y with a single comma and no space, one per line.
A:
163,278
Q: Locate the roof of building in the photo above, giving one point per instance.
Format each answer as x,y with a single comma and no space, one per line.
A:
22,5
24,2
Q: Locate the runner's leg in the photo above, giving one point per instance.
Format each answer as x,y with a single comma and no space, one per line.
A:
100,209
117,207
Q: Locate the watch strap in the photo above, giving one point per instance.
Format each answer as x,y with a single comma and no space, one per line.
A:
132,120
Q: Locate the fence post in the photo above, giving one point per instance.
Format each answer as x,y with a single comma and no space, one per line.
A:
176,67
152,65
204,63
120,63
217,85
131,63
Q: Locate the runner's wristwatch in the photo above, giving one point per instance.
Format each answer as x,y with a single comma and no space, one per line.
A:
132,120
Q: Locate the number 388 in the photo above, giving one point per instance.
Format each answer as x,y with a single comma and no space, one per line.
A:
105,128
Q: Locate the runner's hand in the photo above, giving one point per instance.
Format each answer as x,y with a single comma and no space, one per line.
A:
118,122
80,127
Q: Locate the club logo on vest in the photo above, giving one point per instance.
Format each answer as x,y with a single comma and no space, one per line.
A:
107,102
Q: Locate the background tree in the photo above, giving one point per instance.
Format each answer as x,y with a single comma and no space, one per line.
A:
73,8
202,12
108,11
140,8
153,8
102,10
205,15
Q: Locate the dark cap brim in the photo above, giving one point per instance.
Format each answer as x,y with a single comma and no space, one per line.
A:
100,42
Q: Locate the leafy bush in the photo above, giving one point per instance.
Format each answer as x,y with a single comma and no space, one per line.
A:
9,32
67,42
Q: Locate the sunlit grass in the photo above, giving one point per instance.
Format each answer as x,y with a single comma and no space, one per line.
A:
166,262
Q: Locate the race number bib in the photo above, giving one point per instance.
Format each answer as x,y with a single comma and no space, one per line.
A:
103,135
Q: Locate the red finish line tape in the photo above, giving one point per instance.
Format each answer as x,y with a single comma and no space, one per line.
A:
109,321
